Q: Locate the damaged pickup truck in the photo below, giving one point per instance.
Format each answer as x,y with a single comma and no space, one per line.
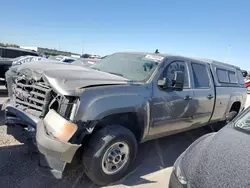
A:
103,112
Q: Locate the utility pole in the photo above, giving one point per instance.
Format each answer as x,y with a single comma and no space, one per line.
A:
82,47
228,52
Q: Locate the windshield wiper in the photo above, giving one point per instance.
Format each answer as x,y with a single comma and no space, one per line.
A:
95,68
118,74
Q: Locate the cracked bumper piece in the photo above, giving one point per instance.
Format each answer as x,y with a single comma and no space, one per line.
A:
56,153
20,116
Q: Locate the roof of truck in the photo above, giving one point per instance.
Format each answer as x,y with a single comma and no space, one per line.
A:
218,63
210,61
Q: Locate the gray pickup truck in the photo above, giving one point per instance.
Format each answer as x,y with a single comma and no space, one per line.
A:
103,112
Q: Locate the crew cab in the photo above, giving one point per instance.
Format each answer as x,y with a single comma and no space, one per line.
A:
104,111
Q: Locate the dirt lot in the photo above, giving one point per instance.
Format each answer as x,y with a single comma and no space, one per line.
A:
18,167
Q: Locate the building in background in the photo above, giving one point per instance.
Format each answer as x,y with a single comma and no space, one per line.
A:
47,51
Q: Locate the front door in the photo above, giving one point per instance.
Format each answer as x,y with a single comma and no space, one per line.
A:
172,111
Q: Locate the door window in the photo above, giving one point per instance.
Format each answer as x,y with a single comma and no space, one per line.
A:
24,53
10,53
176,66
200,74
3,53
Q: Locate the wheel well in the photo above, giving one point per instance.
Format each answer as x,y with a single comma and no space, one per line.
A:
236,106
128,120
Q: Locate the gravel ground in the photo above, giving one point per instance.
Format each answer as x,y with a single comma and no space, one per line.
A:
18,167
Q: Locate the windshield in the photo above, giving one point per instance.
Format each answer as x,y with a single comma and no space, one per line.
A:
136,67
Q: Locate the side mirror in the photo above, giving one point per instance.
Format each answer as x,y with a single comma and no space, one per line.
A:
178,80
163,83
176,84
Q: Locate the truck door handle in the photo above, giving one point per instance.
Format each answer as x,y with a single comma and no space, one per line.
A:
187,97
210,97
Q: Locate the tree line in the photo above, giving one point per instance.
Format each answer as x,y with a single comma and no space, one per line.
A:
52,52
8,45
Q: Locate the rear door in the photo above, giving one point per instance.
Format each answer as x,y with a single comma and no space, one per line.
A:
204,93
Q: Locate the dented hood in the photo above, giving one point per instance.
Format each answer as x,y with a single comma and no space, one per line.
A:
67,79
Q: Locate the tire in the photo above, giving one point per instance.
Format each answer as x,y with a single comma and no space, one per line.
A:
98,147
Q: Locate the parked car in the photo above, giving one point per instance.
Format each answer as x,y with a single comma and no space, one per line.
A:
24,59
8,55
247,85
86,62
247,79
103,112
65,59
217,159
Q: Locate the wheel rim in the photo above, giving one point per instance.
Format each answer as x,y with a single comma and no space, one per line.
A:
115,158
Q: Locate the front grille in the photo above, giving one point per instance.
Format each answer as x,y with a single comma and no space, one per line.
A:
32,96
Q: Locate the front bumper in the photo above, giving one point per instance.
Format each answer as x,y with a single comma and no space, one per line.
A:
49,146
56,153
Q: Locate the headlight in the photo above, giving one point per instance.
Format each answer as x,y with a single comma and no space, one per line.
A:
59,127
179,171
180,176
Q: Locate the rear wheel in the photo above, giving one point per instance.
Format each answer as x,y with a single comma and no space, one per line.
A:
109,154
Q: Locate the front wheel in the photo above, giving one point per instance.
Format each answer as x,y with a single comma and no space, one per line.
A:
109,154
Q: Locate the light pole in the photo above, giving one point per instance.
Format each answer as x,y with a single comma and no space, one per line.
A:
228,52
82,47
